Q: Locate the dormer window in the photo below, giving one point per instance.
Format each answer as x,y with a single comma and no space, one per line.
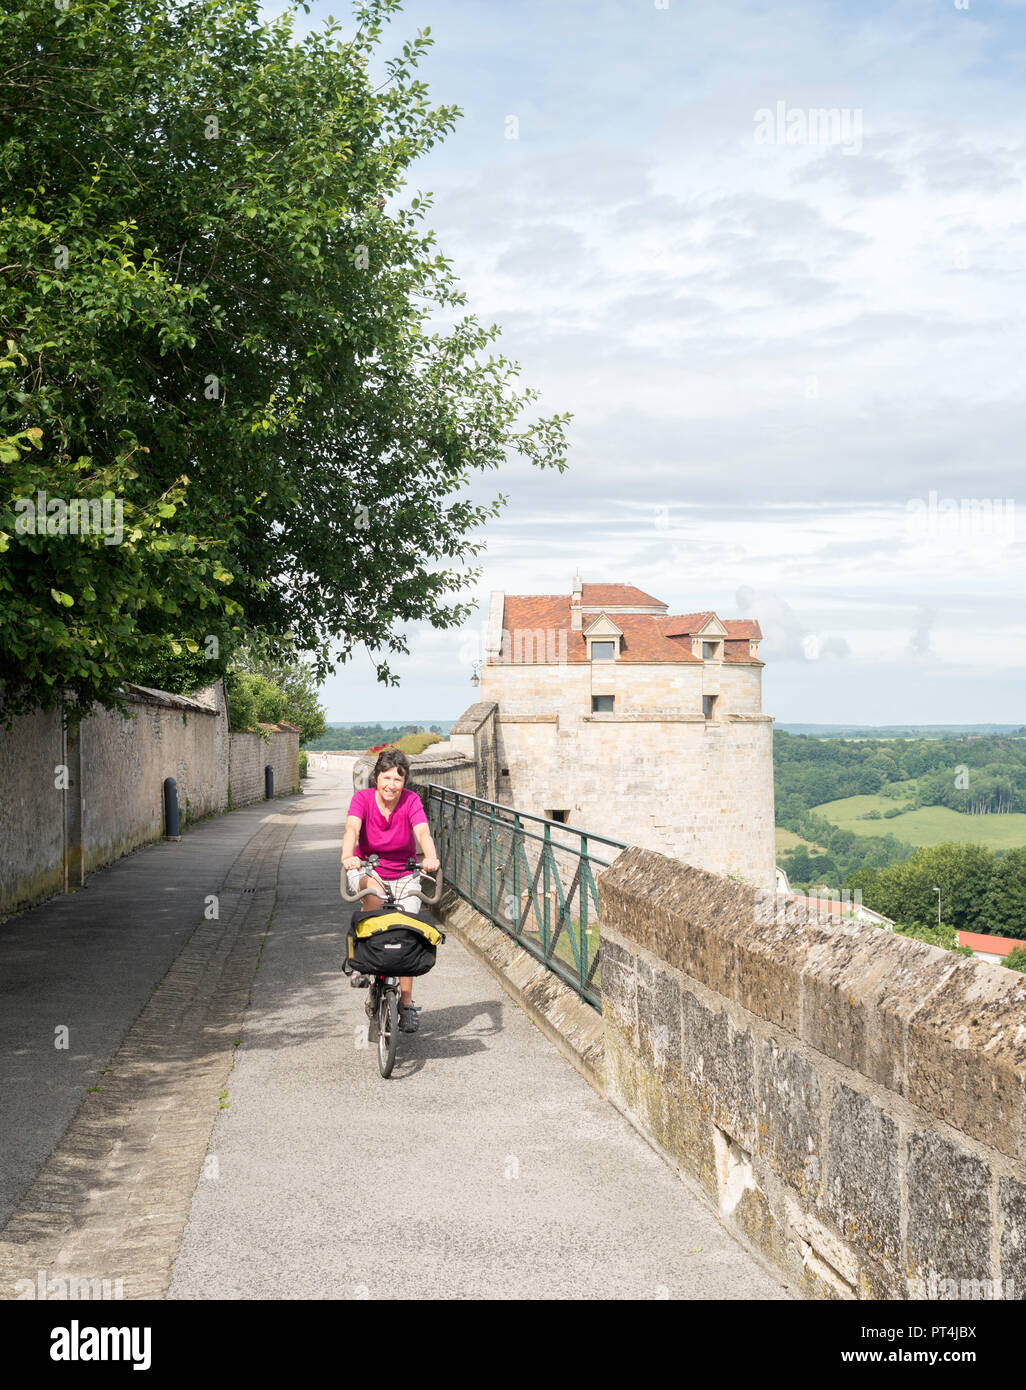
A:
712,651
602,651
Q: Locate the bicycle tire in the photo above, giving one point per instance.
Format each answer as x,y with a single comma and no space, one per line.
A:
388,1031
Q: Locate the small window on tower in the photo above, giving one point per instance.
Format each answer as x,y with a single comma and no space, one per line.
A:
709,706
603,651
602,704
561,816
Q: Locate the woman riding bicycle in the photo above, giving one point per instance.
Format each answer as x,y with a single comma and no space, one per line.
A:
384,819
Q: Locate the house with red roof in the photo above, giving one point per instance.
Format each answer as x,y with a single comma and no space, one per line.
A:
618,716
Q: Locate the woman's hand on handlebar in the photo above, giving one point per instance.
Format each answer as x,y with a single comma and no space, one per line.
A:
431,864
353,862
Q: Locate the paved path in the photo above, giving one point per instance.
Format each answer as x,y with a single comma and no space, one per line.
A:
88,962
485,1168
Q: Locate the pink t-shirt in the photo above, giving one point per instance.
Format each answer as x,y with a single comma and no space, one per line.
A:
390,837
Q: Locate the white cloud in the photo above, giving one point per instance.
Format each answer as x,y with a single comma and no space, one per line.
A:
739,326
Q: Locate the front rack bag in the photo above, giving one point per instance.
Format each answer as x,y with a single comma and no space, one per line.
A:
390,942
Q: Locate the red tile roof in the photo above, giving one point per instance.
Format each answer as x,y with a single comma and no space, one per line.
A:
690,624
993,945
747,628
617,596
685,624
646,636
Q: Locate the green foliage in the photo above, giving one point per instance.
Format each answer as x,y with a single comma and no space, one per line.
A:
222,313
303,763
973,774
843,852
905,892
940,934
980,890
294,678
76,613
253,700
1005,905
181,671
416,743
1016,960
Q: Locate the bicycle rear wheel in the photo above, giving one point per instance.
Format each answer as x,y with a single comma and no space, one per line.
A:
388,1031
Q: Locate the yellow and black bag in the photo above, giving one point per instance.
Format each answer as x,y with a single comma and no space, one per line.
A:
390,942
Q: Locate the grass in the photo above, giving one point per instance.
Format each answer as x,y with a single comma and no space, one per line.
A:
564,950
788,840
929,825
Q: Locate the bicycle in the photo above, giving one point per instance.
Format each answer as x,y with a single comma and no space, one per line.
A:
415,957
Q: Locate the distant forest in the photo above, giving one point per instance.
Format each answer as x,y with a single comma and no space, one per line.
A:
364,736
974,774
978,775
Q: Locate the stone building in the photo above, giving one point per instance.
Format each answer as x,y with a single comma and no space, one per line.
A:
612,714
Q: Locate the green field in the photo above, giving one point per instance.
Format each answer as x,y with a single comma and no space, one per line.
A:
930,825
788,840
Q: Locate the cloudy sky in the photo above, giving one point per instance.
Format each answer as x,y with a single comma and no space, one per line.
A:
792,347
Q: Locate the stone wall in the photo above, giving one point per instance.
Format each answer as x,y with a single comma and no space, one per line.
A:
653,772
31,811
475,734
125,759
251,753
72,803
693,789
853,1103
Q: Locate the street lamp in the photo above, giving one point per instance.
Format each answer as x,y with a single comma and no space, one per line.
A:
475,678
937,891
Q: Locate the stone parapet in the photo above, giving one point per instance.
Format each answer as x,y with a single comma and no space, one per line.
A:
852,1102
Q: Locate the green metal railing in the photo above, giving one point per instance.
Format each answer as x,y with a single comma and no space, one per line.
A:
530,876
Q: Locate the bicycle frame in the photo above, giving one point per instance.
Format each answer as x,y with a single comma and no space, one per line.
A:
369,863
383,1000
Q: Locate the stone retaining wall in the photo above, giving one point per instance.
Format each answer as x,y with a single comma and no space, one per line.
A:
72,803
851,1101
31,811
125,759
251,753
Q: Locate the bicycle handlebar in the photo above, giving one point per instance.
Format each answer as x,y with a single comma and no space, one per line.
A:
362,893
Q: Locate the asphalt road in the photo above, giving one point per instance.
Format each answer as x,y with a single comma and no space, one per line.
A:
87,962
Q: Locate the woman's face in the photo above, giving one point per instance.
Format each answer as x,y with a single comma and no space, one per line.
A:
390,782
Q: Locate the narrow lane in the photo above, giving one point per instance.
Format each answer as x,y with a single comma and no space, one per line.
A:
485,1168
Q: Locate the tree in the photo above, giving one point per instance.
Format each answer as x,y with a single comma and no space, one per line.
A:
71,603
1016,960
224,315
905,892
1005,905
253,700
295,679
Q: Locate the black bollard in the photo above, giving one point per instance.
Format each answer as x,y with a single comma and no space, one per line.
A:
269,782
171,831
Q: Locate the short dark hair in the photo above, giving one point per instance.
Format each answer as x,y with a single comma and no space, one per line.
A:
388,758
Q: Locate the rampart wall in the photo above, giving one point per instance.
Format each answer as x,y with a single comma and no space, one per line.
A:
853,1103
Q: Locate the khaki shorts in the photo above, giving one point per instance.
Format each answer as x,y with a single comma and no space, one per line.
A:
405,888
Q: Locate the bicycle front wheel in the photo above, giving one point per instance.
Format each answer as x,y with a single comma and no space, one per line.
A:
388,1031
